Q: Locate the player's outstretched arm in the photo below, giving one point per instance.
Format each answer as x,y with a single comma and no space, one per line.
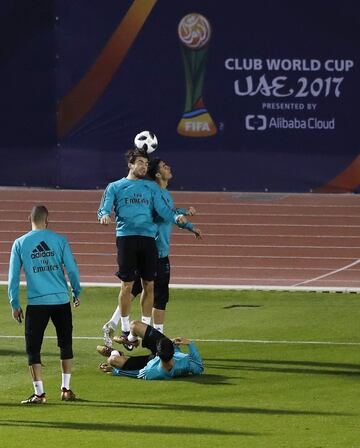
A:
191,211
106,205
196,365
197,232
162,208
181,341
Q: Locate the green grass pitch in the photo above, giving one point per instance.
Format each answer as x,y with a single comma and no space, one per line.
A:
257,391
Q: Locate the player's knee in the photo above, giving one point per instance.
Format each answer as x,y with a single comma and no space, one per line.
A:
66,352
134,326
126,288
148,285
113,360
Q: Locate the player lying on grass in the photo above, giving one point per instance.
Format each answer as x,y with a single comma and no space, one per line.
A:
165,362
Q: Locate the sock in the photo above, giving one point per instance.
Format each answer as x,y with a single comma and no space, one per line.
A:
159,327
65,380
146,320
125,323
115,353
38,387
131,337
115,318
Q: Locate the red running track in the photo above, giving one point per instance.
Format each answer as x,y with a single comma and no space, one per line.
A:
254,240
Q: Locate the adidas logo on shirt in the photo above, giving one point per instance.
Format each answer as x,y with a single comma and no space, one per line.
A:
42,250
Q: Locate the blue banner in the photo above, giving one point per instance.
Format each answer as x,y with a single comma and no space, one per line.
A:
242,97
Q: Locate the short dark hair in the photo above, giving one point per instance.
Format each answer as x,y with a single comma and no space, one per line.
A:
39,214
154,167
133,154
165,349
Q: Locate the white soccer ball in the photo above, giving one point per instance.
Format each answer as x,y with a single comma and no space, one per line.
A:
146,141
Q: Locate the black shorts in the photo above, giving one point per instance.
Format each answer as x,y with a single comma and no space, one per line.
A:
36,320
136,254
149,341
137,362
161,284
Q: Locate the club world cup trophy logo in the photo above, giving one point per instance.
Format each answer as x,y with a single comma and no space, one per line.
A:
194,32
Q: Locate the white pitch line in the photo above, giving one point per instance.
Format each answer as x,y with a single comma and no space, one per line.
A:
240,341
259,341
256,286
328,274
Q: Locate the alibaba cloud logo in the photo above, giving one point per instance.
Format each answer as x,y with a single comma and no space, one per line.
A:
255,122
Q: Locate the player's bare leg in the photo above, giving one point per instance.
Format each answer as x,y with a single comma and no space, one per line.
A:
38,397
117,361
147,300
125,296
138,328
66,393
158,319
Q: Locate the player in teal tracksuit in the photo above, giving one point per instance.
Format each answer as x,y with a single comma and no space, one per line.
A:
43,255
165,362
161,173
136,201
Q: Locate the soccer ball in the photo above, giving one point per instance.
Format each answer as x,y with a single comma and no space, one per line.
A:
146,141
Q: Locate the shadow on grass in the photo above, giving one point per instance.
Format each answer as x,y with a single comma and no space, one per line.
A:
209,379
115,427
9,352
184,408
307,367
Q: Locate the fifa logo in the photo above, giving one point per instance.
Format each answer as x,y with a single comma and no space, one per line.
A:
194,33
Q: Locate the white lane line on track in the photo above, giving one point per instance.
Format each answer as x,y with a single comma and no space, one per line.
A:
271,246
180,201
328,274
241,341
205,223
245,246
263,257
112,254
256,268
283,215
227,235
53,201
